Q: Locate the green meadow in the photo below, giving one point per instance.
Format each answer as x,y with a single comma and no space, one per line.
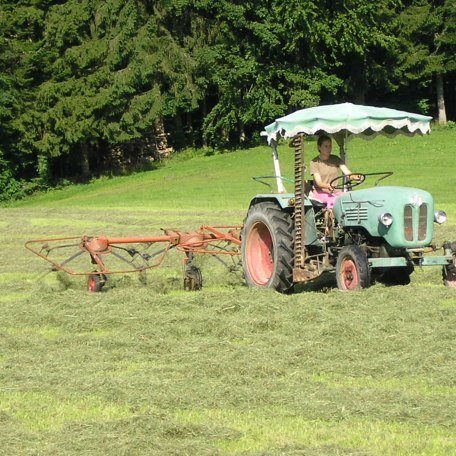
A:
145,368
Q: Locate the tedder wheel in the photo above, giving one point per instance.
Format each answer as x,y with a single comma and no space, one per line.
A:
96,282
267,247
193,279
352,269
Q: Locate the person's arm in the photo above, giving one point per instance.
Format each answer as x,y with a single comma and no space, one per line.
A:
320,184
346,171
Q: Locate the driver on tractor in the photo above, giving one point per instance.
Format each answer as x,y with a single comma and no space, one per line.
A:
325,170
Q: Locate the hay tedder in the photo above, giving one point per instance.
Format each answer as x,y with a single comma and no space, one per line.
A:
376,234
136,254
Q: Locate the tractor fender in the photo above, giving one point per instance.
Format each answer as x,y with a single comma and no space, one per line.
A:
286,202
283,200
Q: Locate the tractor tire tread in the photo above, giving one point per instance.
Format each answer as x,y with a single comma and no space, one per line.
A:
282,227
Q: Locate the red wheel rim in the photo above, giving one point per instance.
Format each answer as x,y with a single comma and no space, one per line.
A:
259,254
92,284
349,274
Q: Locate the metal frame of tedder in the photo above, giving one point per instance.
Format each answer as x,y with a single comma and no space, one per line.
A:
139,253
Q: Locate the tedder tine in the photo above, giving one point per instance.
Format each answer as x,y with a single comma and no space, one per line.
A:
72,257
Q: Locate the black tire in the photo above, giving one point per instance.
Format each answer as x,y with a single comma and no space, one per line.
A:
267,247
193,279
352,269
449,275
96,282
449,270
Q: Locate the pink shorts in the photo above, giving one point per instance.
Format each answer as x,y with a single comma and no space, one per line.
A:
328,198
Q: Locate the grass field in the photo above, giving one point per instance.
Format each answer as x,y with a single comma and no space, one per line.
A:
146,368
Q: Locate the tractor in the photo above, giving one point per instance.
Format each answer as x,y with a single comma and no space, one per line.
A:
375,234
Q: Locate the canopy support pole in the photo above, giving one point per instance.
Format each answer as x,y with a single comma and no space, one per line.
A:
342,140
277,173
343,153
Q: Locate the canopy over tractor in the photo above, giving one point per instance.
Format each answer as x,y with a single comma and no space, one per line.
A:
343,122
346,120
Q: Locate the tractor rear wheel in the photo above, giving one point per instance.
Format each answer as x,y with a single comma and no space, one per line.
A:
352,269
267,247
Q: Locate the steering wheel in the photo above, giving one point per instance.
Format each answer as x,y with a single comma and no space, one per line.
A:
350,182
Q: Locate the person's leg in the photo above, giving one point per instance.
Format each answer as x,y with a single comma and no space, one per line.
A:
327,198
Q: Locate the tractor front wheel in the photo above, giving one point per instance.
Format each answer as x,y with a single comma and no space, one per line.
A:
267,247
352,269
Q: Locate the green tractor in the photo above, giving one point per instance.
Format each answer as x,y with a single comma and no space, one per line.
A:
374,234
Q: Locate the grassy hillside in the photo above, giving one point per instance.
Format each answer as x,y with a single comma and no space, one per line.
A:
146,368
223,180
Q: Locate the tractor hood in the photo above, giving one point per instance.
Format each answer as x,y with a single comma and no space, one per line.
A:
412,211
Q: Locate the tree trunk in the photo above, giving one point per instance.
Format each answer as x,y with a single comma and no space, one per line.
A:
85,166
189,129
161,139
44,168
358,79
159,126
241,131
441,99
204,136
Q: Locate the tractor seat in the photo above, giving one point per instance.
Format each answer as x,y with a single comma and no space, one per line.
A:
317,204
308,185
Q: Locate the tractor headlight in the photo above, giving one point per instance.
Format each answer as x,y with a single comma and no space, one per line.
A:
385,219
440,217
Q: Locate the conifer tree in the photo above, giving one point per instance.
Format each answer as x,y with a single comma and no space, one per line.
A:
427,55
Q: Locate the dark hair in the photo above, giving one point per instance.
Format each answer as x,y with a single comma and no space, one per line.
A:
322,139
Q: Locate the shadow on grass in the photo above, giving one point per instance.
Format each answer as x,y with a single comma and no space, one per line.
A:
325,283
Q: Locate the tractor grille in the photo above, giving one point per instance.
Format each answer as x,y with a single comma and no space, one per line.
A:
408,223
356,214
422,222
422,213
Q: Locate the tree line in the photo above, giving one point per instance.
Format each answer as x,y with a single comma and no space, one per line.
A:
91,85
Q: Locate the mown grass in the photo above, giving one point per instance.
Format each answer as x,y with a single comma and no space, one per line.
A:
146,368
